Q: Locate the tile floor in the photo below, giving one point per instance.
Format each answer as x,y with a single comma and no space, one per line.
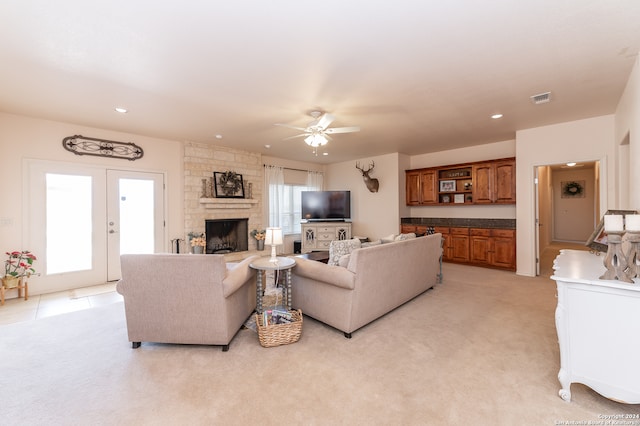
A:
46,305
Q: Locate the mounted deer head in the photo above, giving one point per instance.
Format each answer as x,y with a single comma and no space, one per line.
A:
372,183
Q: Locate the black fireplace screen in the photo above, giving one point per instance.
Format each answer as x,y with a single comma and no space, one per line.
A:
227,235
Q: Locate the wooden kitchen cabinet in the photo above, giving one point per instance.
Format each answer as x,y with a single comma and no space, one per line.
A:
487,247
494,182
484,182
493,247
459,244
421,187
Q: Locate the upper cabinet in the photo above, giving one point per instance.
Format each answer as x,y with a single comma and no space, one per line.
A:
486,182
421,187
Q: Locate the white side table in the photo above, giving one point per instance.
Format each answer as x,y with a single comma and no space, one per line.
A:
264,264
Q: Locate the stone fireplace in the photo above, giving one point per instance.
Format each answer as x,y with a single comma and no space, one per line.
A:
227,235
200,161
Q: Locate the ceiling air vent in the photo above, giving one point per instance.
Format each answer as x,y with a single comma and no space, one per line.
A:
542,98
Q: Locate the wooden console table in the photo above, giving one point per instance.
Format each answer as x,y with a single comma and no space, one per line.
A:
22,285
598,323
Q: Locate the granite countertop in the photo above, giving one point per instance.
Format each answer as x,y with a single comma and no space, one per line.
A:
461,222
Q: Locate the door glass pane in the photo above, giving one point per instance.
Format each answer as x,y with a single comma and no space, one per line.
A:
68,223
136,216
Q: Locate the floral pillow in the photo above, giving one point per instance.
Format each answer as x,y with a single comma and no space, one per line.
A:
339,248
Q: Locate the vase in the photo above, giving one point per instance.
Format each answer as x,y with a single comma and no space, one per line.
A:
260,244
198,249
10,281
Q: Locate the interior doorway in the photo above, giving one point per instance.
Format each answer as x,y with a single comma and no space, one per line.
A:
567,209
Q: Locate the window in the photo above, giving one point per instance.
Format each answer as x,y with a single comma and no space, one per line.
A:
291,209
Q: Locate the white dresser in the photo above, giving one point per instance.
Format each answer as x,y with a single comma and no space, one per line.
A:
318,235
598,323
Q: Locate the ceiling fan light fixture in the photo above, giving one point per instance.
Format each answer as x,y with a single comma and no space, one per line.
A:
315,140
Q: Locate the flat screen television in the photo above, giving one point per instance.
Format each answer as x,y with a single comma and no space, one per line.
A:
326,205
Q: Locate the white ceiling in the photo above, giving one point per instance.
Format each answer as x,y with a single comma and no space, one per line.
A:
416,76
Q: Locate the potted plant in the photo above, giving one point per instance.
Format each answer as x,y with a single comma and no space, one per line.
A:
18,265
198,244
259,236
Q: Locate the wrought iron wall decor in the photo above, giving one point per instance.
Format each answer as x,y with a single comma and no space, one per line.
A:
81,145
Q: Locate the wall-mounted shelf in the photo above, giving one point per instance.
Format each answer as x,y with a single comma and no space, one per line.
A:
228,203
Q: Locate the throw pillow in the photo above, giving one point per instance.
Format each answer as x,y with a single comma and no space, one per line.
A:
388,238
403,237
339,248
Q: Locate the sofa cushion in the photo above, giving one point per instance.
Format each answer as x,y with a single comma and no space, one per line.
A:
344,260
339,248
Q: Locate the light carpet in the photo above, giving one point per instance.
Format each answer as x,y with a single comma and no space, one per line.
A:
479,349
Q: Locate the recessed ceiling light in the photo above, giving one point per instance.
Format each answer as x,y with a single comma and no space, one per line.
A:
218,136
325,153
571,164
496,116
121,110
267,146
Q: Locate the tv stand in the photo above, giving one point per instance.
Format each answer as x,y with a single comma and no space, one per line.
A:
318,235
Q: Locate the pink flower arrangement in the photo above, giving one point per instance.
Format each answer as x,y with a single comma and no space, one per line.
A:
19,263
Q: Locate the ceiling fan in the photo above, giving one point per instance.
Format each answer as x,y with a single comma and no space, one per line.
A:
317,132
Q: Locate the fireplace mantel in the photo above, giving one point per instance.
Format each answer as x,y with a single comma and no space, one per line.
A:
228,203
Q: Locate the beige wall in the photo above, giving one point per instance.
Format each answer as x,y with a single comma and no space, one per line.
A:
580,141
374,214
627,129
23,139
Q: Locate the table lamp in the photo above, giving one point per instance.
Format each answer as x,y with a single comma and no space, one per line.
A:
273,237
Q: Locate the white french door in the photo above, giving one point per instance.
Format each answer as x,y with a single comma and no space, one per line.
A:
81,218
135,216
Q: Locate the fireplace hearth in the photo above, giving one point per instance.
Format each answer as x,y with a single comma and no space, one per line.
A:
227,235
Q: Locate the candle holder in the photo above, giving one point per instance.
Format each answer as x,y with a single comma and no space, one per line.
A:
615,261
633,255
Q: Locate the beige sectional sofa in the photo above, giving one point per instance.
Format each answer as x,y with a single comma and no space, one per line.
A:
375,280
187,299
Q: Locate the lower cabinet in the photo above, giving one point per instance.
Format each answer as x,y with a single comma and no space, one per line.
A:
459,244
494,248
318,235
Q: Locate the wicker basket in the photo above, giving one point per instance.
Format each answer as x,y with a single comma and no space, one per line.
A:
280,334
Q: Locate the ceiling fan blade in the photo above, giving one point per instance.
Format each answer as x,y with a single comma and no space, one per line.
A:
296,136
324,121
343,129
302,129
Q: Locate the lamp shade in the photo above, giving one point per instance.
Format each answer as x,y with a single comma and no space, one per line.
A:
273,236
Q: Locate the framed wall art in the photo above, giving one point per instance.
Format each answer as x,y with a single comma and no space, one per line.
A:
447,185
598,239
228,185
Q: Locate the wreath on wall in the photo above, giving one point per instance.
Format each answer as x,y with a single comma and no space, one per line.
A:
230,183
572,189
